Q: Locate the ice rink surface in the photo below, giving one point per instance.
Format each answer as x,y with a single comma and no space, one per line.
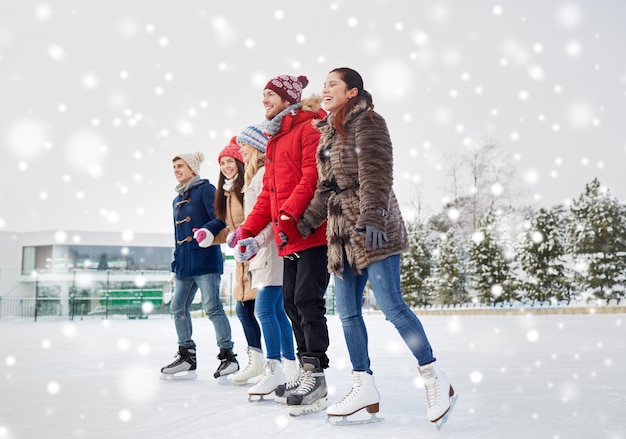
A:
521,376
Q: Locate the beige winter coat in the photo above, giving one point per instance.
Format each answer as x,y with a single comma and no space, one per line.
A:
234,217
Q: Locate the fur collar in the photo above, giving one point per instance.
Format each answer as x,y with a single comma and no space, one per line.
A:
312,103
327,125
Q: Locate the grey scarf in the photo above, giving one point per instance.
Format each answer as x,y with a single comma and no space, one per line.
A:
272,127
182,189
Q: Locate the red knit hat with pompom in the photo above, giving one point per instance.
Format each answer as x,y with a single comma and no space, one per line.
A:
288,87
231,150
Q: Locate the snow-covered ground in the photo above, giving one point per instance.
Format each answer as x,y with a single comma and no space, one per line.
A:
527,377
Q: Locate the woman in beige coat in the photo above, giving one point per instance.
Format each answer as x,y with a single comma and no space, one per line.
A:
229,200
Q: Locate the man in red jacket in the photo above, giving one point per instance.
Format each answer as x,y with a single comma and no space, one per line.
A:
288,185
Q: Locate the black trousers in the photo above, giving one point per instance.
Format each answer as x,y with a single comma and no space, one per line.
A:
305,279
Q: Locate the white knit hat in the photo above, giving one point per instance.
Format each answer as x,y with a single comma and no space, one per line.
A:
193,160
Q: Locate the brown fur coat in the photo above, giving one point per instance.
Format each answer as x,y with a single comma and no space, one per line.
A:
359,167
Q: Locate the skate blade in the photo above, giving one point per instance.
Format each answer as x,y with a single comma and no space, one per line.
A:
300,410
223,381
442,421
244,381
341,421
179,376
255,398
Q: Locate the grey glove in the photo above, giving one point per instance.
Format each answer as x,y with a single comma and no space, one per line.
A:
283,240
374,237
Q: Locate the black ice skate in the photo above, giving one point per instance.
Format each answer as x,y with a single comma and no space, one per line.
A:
228,363
311,395
183,367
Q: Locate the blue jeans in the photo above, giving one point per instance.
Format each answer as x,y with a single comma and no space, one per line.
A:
184,292
384,277
251,328
277,331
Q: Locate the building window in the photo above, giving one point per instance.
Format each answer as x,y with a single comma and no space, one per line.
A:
63,258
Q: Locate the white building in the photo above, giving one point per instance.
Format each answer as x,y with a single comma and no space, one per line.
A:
79,273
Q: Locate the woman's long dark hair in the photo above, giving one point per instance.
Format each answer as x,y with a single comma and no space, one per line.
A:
353,79
219,204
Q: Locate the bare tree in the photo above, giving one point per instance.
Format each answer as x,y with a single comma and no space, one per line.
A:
454,172
490,176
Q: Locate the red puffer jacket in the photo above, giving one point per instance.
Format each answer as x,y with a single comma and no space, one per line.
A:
290,179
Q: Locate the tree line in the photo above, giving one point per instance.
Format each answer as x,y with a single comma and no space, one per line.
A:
483,248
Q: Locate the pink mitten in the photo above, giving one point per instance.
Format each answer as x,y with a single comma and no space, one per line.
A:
203,236
233,237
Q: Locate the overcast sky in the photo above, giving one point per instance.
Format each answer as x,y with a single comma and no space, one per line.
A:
97,97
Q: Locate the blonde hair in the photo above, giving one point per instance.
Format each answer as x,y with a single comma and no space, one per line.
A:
252,167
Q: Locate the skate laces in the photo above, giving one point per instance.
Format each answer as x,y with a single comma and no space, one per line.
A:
356,387
178,360
295,383
269,368
267,374
247,368
307,384
431,383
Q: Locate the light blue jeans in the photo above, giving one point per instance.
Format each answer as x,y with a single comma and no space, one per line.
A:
184,292
277,330
384,277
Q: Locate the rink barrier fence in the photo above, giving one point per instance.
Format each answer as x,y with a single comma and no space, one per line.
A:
583,306
145,304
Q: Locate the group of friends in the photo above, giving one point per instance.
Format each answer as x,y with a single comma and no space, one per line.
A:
302,196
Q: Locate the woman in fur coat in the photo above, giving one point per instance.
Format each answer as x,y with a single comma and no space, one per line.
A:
366,235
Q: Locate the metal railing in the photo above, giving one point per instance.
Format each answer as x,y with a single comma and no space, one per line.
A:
101,307
103,295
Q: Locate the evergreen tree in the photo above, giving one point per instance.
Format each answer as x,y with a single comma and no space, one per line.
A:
542,256
416,266
448,277
598,241
491,259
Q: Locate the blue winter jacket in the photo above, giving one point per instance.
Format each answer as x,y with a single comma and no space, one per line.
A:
194,209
